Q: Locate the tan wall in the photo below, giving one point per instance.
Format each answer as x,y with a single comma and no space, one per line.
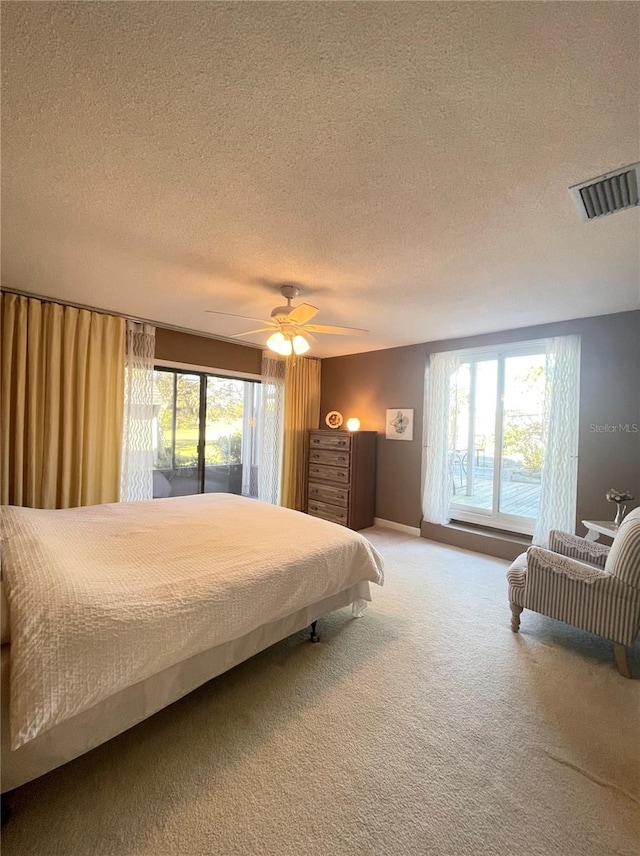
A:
181,347
365,385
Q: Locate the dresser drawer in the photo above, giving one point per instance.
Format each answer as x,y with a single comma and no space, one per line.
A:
328,512
341,481
330,441
333,458
319,472
326,493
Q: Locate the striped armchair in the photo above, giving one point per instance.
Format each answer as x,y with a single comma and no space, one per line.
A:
589,585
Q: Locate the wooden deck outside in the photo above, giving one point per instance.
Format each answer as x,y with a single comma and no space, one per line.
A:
518,497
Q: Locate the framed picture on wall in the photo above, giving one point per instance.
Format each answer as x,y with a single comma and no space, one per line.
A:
399,424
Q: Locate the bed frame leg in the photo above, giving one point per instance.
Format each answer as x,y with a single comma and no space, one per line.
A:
314,636
6,811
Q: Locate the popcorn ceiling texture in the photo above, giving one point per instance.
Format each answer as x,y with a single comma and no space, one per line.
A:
408,162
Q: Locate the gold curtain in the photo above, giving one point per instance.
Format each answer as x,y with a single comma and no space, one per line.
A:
301,414
61,404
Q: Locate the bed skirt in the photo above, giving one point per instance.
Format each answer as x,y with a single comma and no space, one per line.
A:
125,709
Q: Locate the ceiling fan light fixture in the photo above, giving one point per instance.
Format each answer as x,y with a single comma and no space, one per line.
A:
279,343
285,344
294,334
300,345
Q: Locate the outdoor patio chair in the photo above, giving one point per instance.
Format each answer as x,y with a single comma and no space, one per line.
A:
583,583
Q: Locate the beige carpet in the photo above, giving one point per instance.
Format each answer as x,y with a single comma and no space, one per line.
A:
425,728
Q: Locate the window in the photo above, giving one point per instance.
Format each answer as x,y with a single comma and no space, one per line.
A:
205,434
501,436
497,449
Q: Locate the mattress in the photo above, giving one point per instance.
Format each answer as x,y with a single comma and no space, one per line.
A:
105,597
125,709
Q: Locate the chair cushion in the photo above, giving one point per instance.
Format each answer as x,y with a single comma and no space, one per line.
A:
623,560
574,547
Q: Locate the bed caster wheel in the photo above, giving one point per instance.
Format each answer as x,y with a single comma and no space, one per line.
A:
313,635
315,638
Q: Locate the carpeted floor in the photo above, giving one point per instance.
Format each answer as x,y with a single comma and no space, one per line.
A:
425,728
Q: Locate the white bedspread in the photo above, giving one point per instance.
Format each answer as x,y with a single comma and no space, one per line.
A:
104,596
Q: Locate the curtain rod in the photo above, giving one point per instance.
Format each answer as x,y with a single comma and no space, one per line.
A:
174,327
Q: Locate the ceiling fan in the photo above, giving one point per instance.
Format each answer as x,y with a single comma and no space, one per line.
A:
291,332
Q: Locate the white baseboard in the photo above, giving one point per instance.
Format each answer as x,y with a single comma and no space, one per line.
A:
400,527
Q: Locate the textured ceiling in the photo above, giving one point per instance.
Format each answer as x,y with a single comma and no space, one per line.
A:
407,163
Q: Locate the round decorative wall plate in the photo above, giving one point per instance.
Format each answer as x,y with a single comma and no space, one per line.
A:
334,419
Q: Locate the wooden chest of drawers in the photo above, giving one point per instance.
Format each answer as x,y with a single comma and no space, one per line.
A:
342,477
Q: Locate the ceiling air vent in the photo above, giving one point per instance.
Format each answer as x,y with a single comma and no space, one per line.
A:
607,193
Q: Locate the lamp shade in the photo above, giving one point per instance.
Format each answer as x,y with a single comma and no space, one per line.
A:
353,424
285,344
280,344
300,345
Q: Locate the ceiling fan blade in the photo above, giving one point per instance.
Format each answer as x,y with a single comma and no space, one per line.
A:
250,332
303,313
232,315
337,331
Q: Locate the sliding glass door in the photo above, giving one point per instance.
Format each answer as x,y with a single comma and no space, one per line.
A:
522,449
231,410
496,449
204,434
472,449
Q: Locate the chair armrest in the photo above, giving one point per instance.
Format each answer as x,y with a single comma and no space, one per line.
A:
541,561
582,595
578,548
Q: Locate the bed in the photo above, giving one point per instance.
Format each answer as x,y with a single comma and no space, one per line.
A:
118,610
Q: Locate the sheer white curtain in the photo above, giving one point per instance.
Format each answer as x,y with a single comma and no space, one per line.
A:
271,430
438,484
558,490
136,474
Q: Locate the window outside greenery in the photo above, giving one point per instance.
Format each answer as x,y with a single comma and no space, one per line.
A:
199,425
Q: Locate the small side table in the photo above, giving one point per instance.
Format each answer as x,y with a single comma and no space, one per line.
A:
599,527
